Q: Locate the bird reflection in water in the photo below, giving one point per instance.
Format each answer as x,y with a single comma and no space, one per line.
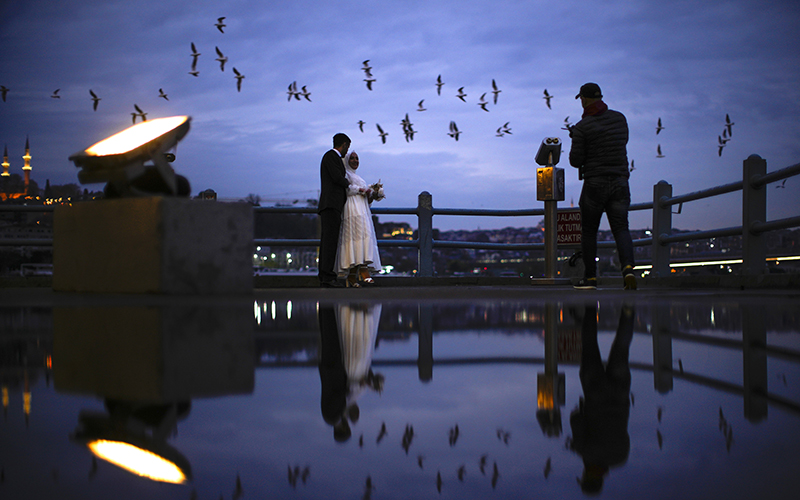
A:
348,336
600,422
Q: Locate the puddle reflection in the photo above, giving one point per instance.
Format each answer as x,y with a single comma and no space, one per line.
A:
402,400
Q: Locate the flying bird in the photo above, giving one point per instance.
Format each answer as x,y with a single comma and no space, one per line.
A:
729,125
305,93
659,128
194,71
721,145
482,463
222,59
369,81
439,84
506,128
55,94
461,95
239,77
139,113
779,186
293,91
495,91
219,24
420,107
366,67
361,125
438,481
462,471
383,140
499,132
194,53
95,100
482,102
4,91
162,94
632,167
454,132
495,475
547,98
548,466
567,125
659,154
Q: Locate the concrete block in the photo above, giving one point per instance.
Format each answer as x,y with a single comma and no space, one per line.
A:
153,245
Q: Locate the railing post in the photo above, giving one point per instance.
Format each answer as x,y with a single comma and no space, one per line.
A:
425,234
662,225
754,209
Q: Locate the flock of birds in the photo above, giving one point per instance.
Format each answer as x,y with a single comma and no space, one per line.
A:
138,112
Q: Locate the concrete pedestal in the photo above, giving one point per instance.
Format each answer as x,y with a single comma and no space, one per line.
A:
153,245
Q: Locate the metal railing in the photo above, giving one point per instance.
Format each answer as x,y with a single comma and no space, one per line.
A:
754,223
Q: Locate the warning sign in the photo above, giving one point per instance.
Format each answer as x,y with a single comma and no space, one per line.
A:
569,227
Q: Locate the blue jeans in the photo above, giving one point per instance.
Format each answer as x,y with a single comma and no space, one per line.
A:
612,195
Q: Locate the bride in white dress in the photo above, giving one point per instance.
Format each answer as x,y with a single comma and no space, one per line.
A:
358,246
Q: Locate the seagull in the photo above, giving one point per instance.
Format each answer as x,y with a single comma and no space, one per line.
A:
369,81
383,140
4,91
506,128
632,167
722,139
482,103
729,125
162,94
461,95
439,481
305,93
454,132
55,94
94,98
139,113
366,67
293,91
721,146
462,471
194,53
239,77
439,84
547,98
194,71
548,466
659,155
779,186
361,125
220,24
567,125
222,59
420,107
482,463
659,128
495,91
499,132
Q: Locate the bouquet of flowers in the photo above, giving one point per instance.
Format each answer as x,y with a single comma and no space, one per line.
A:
377,191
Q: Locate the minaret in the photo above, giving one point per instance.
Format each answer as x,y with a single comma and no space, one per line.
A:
5,163
27,167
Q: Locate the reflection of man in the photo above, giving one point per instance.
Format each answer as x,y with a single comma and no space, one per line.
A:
332,374
332,197
600,423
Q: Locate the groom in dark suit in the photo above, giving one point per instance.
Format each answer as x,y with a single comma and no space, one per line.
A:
331,203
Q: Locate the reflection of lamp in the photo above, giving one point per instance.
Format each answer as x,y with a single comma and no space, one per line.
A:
120,443
120,158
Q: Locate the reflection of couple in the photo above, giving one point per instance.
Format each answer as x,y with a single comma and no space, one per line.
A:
348,334
600,423
347,241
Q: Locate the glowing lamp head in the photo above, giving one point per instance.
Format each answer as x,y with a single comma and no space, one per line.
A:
130,148
138,461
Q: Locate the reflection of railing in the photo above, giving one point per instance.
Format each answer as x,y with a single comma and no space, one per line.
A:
753,346
754,223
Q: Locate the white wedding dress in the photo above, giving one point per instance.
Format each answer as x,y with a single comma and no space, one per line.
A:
358,244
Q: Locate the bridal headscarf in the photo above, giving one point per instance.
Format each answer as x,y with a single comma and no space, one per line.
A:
352,177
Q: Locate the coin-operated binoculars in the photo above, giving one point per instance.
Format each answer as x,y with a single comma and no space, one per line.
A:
550,189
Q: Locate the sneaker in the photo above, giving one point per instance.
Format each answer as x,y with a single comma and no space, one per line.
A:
629,278
586,284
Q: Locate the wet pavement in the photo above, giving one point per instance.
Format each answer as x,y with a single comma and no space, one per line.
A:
401,392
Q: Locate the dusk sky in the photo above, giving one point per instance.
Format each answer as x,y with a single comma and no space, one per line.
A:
689,63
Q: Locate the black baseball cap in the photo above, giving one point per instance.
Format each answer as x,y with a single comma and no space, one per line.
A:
590,90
